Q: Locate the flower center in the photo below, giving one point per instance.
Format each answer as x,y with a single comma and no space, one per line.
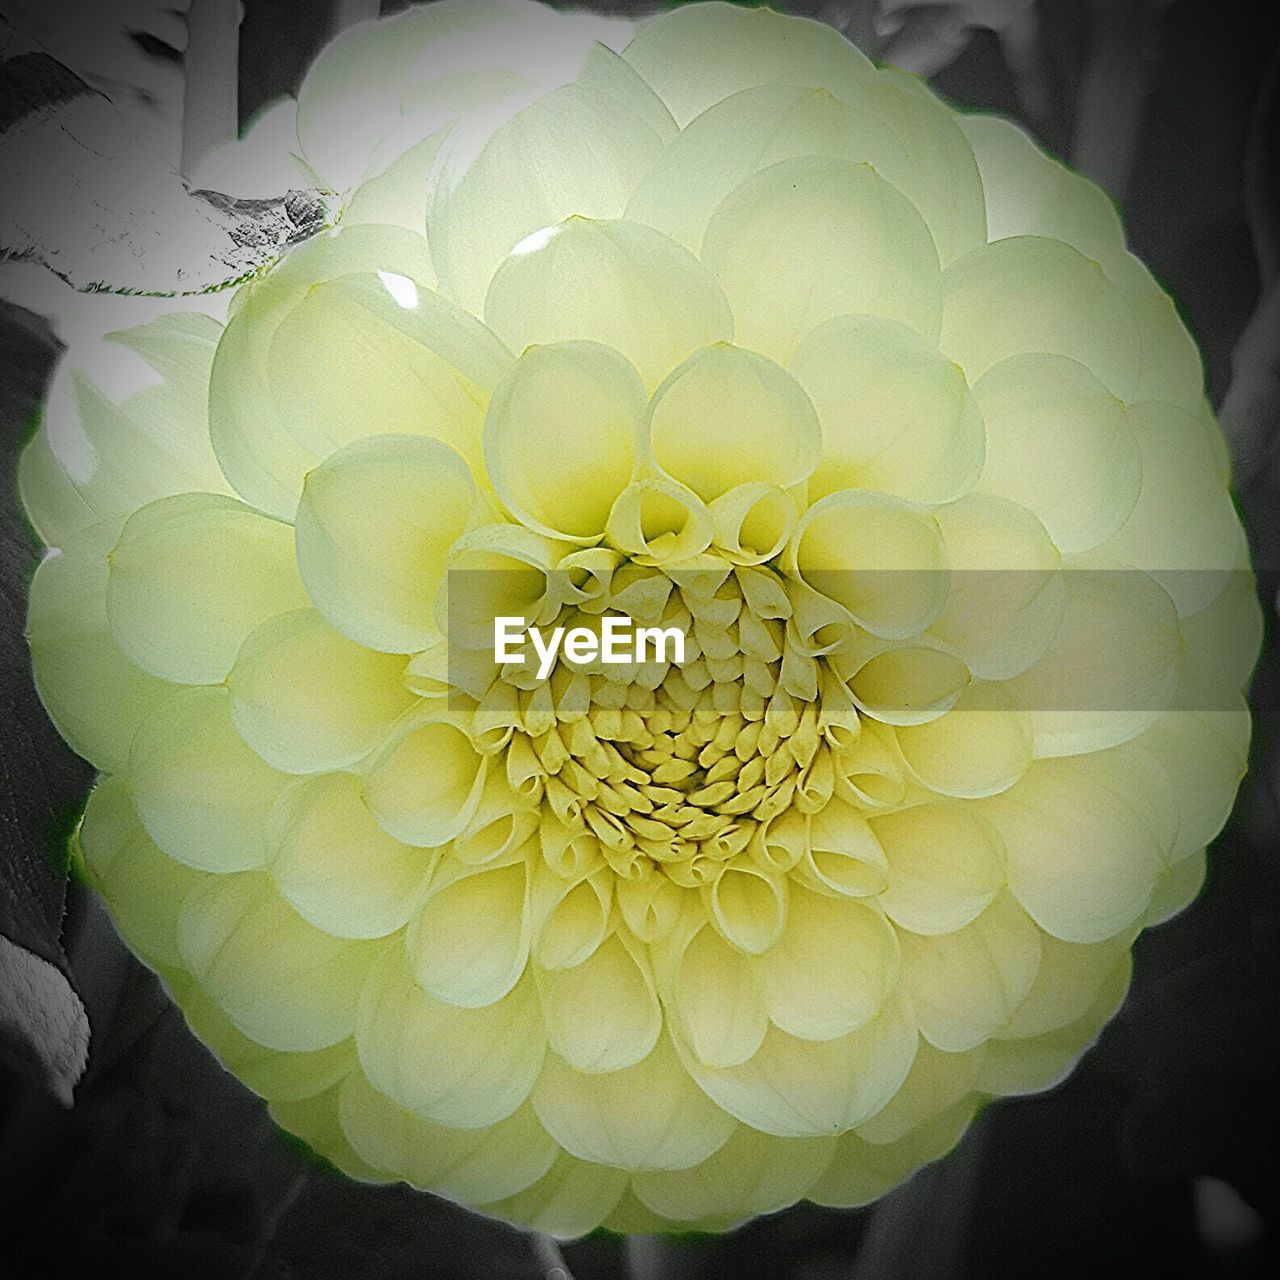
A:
679,768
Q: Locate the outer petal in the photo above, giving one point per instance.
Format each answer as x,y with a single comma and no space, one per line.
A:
910,140
337,868
752,46
714,996
801,1088
572,1198
1007,594
896,416
752,1173
596,1117
1039,1062
1082,856
284,984
812,238
191,577
1049,422
1032,295
862,1171
307,699
374,527
615,282
467,1164
964,986
480,1065
201,792
382,81
144,888
1184,528
578,150
92,692
1075,703
1028,193
119,454
276,1076
344,339
981,746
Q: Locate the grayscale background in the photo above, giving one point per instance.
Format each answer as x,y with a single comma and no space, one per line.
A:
1159,1157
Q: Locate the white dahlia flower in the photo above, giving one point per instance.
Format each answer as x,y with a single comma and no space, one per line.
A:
731,332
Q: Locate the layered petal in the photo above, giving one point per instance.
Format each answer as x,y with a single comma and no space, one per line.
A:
808,239
616,282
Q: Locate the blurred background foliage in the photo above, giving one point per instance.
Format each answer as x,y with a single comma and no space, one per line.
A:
1158,1157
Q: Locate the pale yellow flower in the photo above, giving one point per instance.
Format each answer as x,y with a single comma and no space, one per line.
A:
729,332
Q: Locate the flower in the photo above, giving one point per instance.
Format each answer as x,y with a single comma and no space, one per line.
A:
865,398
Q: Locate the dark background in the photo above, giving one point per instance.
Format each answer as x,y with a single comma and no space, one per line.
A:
1158,1157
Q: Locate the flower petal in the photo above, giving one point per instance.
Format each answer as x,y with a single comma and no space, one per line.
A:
144,888
336,867
1036,1063
560,437
728,417
936,1083
812,238
753,46
910,140
896,415
1050,421
966,985
831,971
596,1117
879,557
802,1088
467,1164
191,577
469,942
374,526
1007,594
425,785
458,1067
945,866
614,282
307,699
1028,193
283,983
95,696
1028,295
1183,529
715,997
201,793
376,288
862,1171
752,1173
982,745
1076,702
571,1199
1081,858
576,150
119,454
602,1015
